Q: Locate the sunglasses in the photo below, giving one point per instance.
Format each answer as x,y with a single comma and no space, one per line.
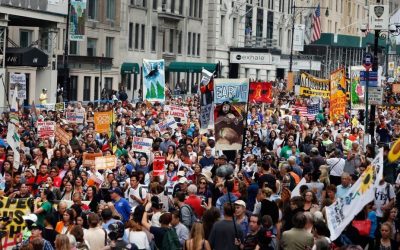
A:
203,182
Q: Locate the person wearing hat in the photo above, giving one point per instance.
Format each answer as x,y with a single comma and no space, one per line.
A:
241,217
121,205
43,97
29,220
182,184
36,233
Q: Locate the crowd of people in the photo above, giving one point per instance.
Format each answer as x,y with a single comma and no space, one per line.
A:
207,198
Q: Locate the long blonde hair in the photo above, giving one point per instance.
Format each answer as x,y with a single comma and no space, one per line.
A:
197,236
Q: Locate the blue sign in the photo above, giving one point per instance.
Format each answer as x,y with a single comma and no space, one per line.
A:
373,78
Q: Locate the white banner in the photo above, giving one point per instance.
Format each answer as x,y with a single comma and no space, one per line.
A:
20,81
13,138
343,210
298,37
296,190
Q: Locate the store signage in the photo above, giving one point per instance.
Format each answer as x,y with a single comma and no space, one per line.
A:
250,57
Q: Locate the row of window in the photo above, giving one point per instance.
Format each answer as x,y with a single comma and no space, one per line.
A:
193,39
91,47
137,32
93,9
87,82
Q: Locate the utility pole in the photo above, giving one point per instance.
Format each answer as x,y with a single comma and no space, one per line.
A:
66,92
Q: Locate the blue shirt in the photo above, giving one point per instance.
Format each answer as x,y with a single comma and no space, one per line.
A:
341,191
123,208
374,223
224,199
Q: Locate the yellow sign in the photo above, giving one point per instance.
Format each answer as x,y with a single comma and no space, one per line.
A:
338,99
102,121
105,162
290,82
14,209
313,86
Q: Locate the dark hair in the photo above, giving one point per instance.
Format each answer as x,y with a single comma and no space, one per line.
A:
228,209
165,218
176,214
106,214
321,228
180,196
299,220
258,218
94,219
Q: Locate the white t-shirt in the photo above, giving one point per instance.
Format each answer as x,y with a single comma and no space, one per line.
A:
381,193
139,238
336,166
139,192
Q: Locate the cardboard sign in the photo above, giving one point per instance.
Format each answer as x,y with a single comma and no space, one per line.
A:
46,129
60,106
396,88
62,136
102,121
15,209
75,117
141,144
105,162
178,112
88,159
159,166
169,123
48,106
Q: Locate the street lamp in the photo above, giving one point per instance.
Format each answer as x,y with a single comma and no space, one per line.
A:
293,8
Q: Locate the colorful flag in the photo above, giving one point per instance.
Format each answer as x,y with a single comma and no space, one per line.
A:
308,112
343,210
12,131
316,34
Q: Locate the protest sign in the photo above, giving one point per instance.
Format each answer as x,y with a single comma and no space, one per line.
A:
159,166
260,92
313,86
18,80
94,180
105,162
102,121
206,89
141,144
178,112
15,209
75,117
48,106
230,99
88,159
338,100
154,80
59,106
169,123
62,136
46,129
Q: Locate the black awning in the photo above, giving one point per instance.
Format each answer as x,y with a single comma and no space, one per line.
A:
29,56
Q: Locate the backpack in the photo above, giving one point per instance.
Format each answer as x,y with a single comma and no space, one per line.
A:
170,240
193,217
140,192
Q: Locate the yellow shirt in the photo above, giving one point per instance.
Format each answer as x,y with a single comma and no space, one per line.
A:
43,98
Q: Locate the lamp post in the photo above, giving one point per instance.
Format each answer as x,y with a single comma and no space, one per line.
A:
293,9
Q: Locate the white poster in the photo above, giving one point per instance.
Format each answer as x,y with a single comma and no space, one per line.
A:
298,37
20,81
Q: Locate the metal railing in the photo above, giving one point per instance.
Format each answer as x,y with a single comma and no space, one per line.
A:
260,42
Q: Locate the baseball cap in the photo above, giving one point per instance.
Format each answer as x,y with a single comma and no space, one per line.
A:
31,217
240,203
36,226
116,190
31,169
346,135
180,173
182,180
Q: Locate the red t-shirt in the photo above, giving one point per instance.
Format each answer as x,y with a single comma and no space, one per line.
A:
195,202
57,181
41,178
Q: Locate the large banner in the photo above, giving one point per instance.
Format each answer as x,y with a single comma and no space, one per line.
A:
357,91
230,99
344,209
313,86
260,92
338,99
102,121
206,99
18,80
13,138
14,209
154,80
77,20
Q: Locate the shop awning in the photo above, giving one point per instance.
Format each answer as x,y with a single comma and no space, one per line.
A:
129,68
29,56
194,67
